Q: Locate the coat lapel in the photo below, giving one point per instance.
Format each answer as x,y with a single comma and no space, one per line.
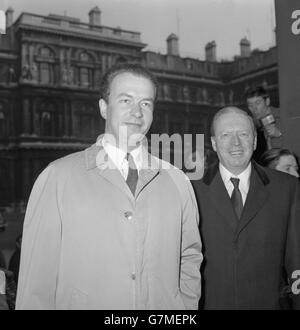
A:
96,157
150,169
256,198
219,196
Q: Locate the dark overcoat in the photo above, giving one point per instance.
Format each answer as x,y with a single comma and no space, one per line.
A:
247,262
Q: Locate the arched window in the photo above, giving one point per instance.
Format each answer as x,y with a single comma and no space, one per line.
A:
46,65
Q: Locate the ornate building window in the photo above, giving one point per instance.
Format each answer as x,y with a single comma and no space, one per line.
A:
48,119
86,70
3,122
46,65
89,123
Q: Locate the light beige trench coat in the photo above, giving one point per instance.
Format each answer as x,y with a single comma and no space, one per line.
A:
90,244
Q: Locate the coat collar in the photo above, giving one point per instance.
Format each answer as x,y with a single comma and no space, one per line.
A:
96,157
212,171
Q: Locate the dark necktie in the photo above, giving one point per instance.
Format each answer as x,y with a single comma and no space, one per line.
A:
236,197
132,176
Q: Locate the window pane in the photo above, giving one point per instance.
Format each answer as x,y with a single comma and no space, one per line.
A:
45,73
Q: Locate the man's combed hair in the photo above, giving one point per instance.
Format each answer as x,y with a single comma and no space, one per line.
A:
256,92
133,68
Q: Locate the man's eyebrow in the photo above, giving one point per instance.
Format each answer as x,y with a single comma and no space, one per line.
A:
148,99
131,96
125,94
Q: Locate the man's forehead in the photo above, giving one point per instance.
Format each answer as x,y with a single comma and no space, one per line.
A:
233,119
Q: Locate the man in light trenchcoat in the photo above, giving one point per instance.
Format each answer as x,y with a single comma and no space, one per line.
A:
112,227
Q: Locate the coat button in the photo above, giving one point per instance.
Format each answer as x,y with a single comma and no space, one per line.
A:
133,276
128,215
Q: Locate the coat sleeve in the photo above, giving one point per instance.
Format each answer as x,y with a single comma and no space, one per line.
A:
41,242
191,246
292,257
191,255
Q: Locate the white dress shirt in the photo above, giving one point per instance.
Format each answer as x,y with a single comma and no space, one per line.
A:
118,156
244,183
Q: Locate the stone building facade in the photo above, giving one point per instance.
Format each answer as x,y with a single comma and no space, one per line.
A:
50,69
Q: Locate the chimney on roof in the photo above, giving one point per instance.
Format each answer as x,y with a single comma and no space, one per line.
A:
95,16
245,47
172,45
210,51
9,16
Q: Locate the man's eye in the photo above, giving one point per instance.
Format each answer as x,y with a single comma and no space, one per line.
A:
125,101
224,135
146,104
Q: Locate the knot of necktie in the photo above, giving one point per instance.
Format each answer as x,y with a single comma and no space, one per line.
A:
235,182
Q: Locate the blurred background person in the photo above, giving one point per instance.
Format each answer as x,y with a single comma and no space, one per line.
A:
2,228
8,286
199,161
266,119
195,164
282,160
14,262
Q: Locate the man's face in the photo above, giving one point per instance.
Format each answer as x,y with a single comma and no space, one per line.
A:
258,106
234,141
129,111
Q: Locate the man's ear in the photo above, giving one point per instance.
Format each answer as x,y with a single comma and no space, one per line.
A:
213,143
268,102
255,142
103,108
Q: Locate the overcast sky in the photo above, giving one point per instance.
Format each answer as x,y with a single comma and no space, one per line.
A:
195,21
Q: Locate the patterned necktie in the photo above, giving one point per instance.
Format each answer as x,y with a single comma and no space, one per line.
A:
236,197
132,176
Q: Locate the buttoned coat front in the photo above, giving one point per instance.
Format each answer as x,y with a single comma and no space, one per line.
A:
88,243
248,261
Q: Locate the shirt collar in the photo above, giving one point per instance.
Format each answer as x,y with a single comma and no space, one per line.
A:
244,176
118,155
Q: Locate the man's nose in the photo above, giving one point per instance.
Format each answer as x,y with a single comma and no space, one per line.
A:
137,110
236,139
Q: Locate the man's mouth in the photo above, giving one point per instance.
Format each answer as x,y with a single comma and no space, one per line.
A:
236,153
129,123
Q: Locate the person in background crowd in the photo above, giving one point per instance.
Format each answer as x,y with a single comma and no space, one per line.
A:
266,119
249,224
2,229
282,160
8,287
14,262
113,227
3,301
196,162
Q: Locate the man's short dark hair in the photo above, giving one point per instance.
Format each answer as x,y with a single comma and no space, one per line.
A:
133,68
256,92
271,158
